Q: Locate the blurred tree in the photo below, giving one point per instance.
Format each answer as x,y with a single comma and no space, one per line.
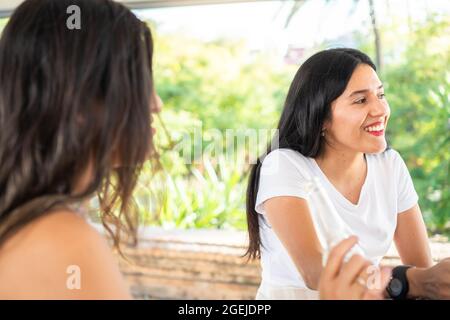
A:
418,87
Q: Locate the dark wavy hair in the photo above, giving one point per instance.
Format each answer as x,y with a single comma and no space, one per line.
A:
73,100
320,80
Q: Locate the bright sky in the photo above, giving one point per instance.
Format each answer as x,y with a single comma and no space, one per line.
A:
262,23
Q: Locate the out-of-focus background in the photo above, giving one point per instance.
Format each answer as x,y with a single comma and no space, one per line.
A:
223,71
229,67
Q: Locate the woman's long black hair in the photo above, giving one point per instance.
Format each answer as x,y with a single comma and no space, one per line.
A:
73,100
320,80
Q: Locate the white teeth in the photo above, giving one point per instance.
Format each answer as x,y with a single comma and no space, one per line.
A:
375,128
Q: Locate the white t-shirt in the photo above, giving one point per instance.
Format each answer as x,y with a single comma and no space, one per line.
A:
387,191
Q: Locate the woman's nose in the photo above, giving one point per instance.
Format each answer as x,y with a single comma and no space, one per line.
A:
379,108
157,104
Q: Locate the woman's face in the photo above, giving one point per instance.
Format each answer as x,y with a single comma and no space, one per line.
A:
360,115
156,105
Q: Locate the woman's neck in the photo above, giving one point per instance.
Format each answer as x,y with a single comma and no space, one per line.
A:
342,165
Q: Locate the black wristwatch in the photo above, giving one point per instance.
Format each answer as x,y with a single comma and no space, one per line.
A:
398,286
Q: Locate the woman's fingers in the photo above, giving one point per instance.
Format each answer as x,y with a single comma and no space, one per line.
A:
376,291
357,291
386,274
336,257
356,279
355,270
354,275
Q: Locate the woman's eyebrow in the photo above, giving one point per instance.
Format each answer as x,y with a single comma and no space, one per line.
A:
363,91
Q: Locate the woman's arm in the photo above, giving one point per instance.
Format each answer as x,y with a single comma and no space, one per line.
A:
431,283
411,239
292,223
425,281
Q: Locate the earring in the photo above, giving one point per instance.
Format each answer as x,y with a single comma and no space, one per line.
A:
322,133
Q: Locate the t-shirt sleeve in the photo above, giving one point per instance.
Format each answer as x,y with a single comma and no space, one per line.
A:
406,194
281,174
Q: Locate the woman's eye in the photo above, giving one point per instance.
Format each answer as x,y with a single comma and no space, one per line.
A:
381,96
360,101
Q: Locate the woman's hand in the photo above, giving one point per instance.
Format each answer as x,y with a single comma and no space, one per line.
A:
430,283
357,279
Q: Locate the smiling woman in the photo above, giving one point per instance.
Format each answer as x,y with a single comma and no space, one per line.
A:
332,127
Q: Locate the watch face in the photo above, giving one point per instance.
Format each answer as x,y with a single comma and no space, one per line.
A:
395,287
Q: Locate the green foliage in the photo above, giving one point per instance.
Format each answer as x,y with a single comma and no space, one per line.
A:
219,83
418,89
213,85
213,196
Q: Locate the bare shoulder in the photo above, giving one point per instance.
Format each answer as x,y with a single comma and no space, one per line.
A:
59,255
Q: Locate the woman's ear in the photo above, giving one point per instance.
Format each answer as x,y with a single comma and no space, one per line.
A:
325,126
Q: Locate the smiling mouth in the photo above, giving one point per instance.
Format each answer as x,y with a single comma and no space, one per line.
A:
376,129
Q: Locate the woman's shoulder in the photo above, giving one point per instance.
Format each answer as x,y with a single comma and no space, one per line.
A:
390,161
388,156
41,256
286,164
285,154
62,224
